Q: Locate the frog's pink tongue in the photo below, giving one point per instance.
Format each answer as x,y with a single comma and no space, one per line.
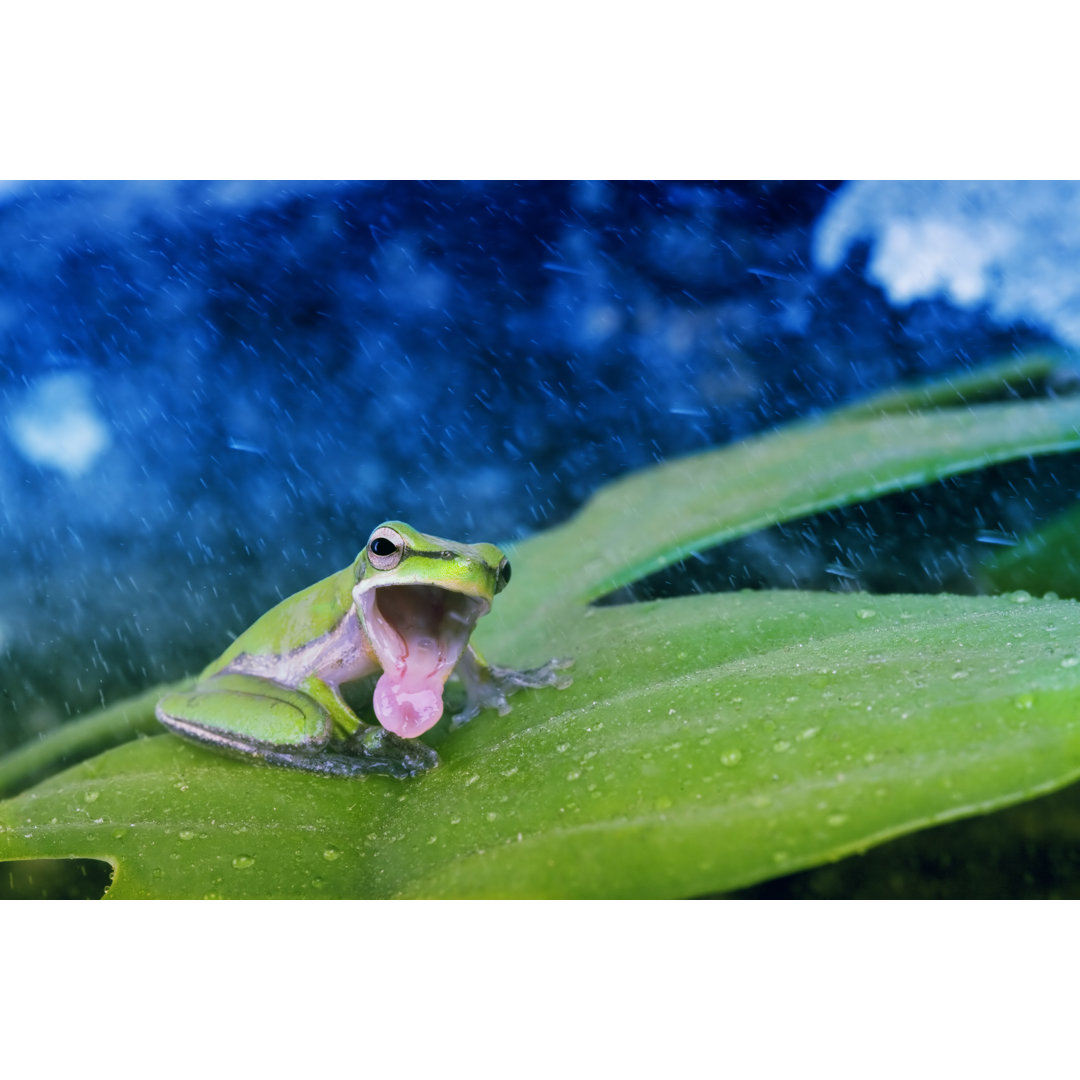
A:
408,703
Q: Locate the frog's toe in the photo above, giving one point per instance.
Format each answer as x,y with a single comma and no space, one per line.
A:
549,674
384,752
473,708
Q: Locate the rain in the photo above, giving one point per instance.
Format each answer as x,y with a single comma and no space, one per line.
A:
211,392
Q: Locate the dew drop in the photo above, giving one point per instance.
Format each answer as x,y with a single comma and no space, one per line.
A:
781,745
1024,701
186,834
1070,661
90,796
243,862
865,613
331,853
836,820
961,674
1020,596
731,758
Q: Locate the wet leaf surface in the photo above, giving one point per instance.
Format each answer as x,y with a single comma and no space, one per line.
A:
708,742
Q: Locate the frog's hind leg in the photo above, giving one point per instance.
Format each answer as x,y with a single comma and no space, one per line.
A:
258,719
246,715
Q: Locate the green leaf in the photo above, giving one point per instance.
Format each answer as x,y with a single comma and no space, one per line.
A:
1015,376
707,742
655,517
710,742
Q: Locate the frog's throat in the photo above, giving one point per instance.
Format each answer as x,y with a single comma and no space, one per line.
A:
418,633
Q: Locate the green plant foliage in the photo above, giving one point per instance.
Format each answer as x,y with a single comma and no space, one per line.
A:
655,517
707,742
711,742
1016,377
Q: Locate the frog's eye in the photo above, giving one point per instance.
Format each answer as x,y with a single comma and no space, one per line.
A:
502,575
385,549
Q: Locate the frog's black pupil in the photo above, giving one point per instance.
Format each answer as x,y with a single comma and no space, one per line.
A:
381,546
504,570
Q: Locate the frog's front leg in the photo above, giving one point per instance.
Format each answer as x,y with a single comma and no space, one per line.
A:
488,686
368,745
309,727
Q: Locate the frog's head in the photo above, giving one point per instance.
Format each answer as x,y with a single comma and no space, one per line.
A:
418,598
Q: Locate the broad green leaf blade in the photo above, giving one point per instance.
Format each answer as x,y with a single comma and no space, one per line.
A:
708,743
1018,375
652,518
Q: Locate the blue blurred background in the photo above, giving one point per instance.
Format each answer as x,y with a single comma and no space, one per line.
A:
210,392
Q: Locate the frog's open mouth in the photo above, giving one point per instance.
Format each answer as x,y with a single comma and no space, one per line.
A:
419,633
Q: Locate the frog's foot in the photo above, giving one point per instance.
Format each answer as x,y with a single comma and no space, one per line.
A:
373,749
369,751
488,688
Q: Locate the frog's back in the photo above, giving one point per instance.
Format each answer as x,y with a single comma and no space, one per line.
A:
295,622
